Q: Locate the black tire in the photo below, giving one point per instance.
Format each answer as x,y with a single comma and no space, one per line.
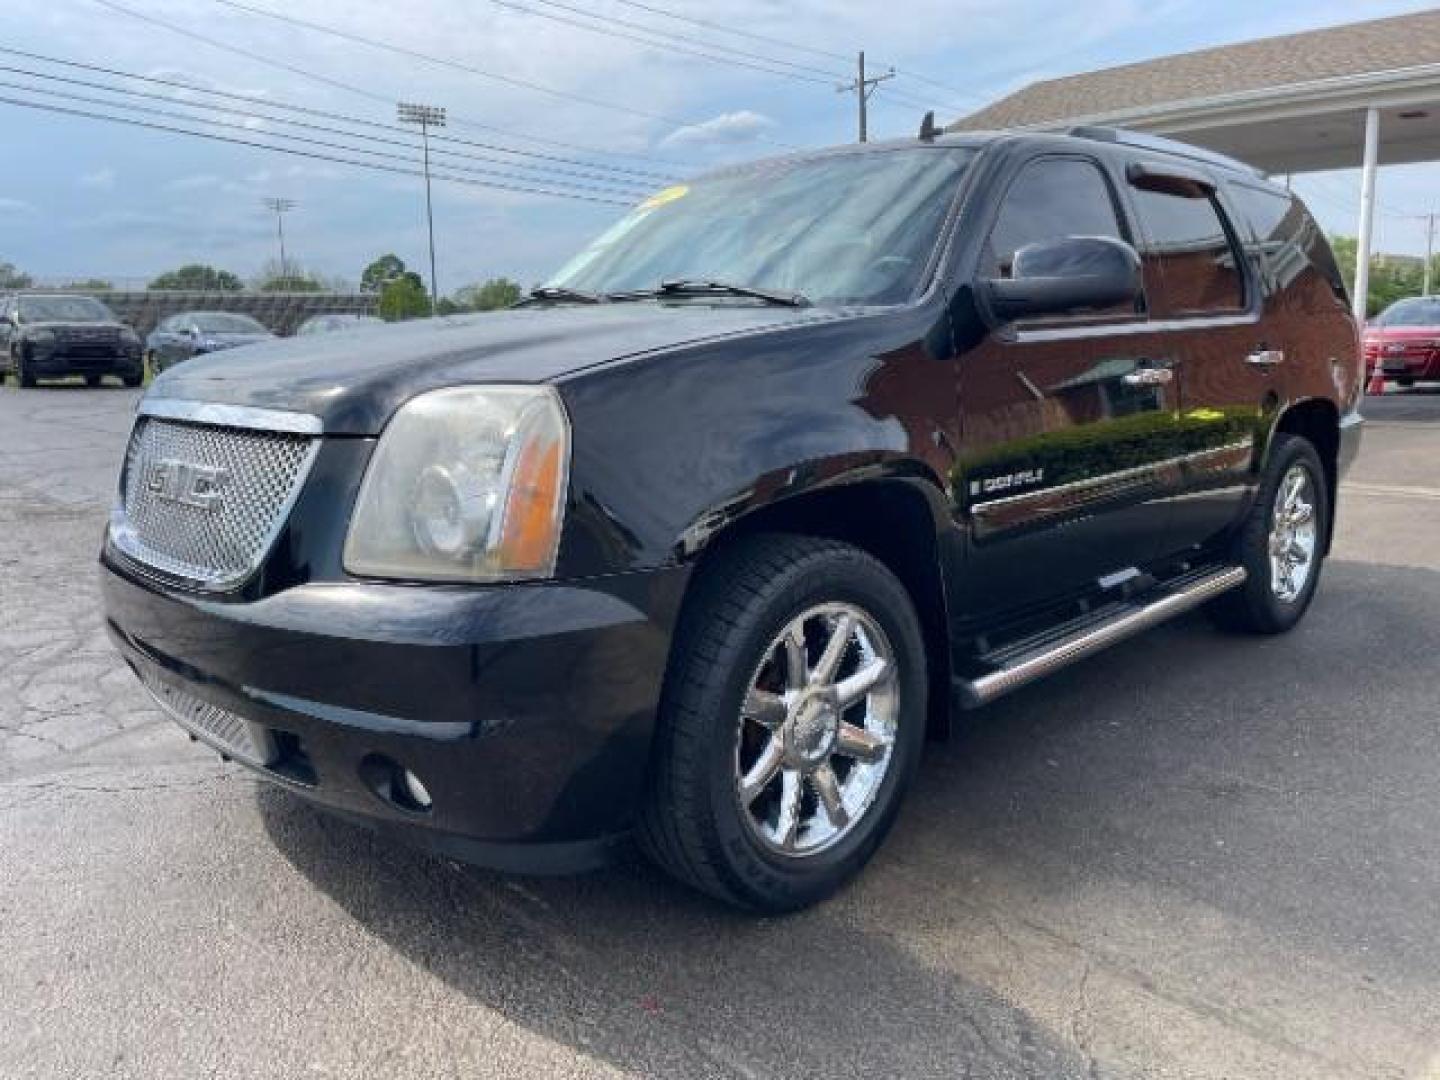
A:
23,376
133,381
692,824
1255,608
1407,383
93,381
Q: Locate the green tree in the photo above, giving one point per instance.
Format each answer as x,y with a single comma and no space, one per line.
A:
490,295
1391,278
381,272
198,276
93,284
11,278
404,298
292,277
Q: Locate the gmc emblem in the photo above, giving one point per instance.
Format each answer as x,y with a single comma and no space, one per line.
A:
184,482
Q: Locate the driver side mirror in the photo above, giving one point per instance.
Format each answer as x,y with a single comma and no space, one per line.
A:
1068,276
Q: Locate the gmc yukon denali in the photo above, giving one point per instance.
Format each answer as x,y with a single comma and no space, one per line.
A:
699,543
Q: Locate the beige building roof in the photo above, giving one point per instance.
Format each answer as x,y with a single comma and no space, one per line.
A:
1403,41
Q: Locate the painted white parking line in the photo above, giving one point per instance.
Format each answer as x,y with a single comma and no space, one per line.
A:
1392,490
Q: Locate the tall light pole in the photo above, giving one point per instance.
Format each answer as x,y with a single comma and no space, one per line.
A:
862,88
281,207
427,116
1429,250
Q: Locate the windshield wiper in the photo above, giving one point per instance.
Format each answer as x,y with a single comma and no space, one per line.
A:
562,293
702,286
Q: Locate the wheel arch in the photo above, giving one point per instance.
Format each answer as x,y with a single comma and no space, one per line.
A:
899,520
1317,420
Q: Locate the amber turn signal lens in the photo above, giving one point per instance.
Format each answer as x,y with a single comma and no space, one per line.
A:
528,540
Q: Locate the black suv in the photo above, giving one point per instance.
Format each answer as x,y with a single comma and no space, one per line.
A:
700,543
56,336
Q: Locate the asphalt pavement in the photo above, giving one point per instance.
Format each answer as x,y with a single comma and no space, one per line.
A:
1193,856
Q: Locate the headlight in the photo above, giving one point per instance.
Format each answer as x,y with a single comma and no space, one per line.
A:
129,337
466,484
41,337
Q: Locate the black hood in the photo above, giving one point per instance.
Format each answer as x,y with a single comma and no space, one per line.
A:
354,381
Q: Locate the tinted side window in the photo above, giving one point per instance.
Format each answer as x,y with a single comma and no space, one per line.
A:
1275,228
1186,239
1051,199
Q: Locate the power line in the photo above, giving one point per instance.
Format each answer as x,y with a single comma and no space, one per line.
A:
312,155
781,43
654,10
752,59
456,65
180,84
360,91
309,141
605,180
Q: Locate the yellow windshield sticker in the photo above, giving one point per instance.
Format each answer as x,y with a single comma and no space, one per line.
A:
660,198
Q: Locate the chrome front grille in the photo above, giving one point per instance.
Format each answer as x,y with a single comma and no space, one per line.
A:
227,731
204,502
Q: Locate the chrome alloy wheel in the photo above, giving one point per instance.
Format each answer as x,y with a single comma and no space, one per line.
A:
817,730
1293,534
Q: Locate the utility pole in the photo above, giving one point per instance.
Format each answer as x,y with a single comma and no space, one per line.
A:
1429,249
862,88
281,207
427,116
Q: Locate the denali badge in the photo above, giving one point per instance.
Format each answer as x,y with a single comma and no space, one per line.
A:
991,485
185,482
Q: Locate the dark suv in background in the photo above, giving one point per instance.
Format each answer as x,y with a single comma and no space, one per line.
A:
44,337
701,542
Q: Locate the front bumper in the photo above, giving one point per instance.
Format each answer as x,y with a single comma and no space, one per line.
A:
525,710
66,360
1420,366
1352,427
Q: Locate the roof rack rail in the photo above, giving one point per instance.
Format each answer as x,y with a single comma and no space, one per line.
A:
1143,141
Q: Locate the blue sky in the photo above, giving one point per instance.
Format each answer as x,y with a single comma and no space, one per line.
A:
79,198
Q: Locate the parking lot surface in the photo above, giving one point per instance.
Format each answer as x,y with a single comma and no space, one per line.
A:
1193,856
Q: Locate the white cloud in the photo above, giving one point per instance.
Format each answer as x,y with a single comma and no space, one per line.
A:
728,128
193,182
101,179
16,206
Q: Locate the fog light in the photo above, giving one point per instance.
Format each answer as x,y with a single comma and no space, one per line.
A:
415,789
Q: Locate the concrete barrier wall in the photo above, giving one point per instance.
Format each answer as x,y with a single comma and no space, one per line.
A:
278,311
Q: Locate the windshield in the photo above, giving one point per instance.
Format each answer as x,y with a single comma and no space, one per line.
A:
1411,313
64,309
223,323
849,228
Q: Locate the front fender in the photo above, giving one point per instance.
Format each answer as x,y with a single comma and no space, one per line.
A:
669,450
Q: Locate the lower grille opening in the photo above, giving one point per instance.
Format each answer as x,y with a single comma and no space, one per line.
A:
291,761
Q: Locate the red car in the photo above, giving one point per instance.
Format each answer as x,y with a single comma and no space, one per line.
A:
1405,340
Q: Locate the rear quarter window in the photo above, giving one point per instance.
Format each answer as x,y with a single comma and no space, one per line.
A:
1186,242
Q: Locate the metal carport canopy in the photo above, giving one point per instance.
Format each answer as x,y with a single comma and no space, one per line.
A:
1362,96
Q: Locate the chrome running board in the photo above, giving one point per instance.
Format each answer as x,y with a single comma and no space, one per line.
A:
1023,662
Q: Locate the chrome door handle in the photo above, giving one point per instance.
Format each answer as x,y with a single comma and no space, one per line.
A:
1148,376
1266,357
